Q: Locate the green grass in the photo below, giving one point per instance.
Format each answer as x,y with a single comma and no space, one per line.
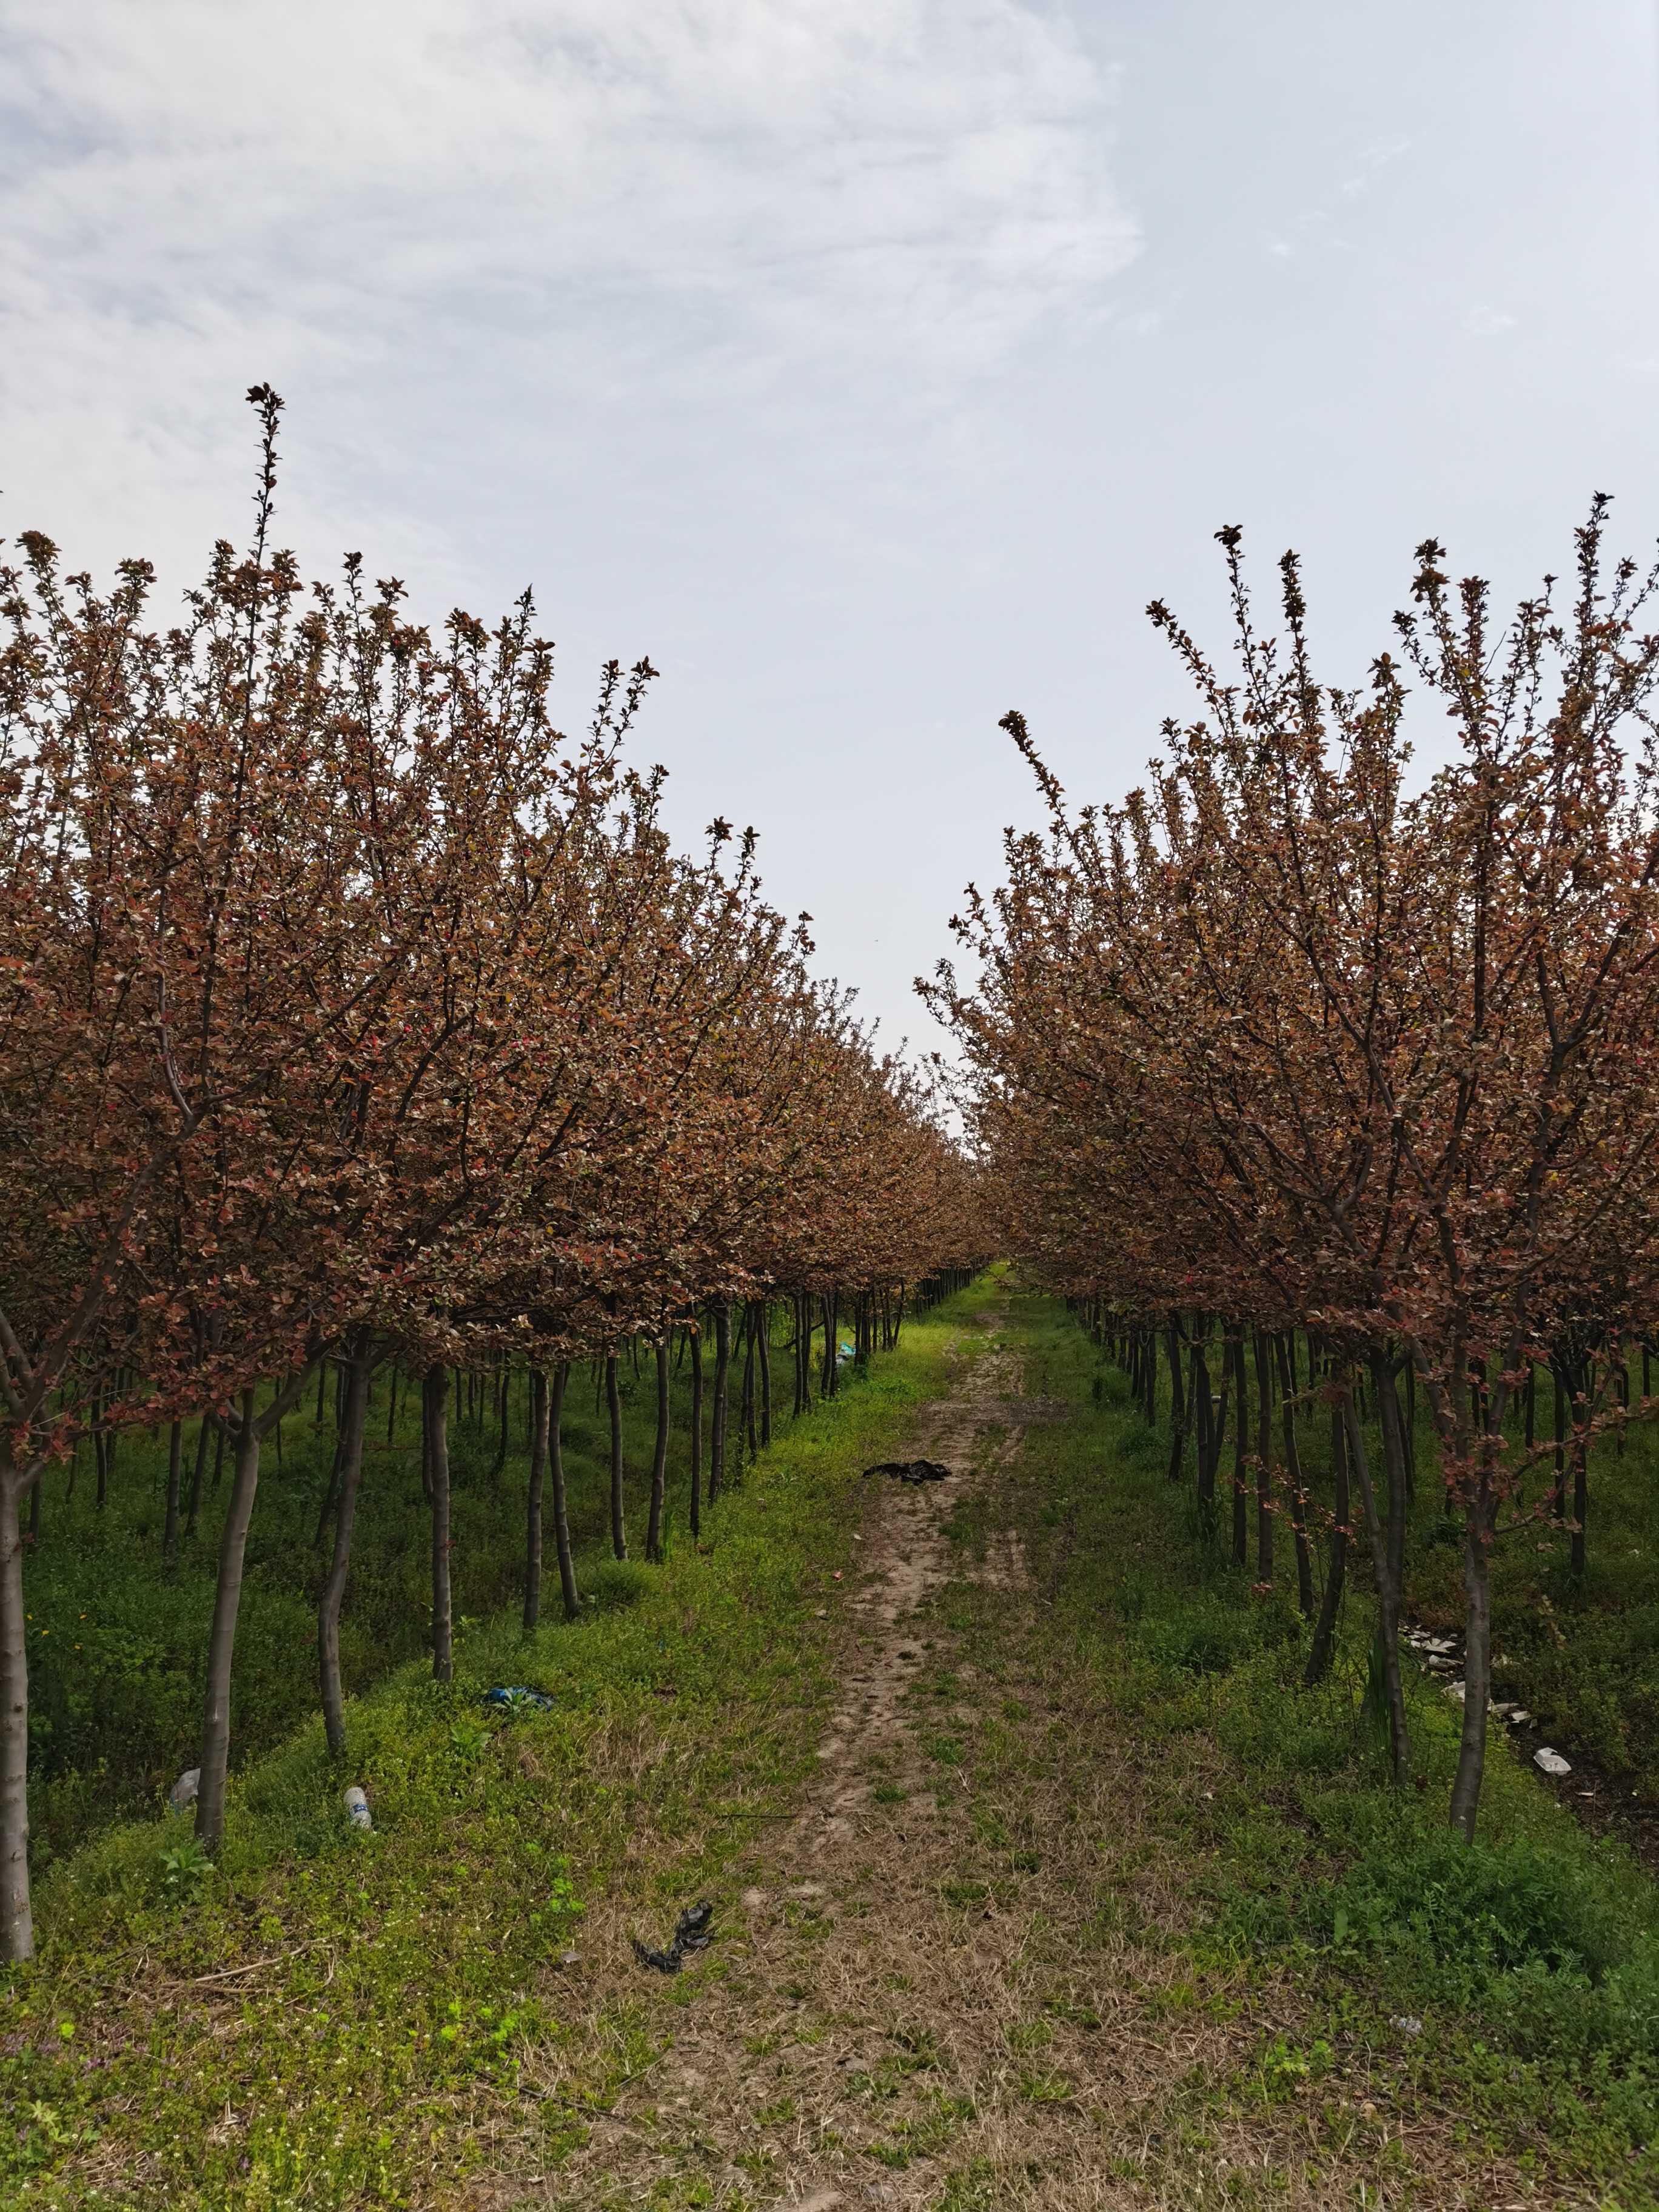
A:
116,1639
1531,1959
1583,1656
377,1996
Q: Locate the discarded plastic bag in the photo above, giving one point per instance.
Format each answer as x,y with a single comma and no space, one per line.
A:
691,1933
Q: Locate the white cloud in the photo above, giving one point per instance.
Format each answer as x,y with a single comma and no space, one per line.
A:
617,196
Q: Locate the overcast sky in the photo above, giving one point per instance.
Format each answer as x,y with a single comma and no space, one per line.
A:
868,363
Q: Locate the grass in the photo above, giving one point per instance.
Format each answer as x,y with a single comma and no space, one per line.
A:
117,1638
328,2018
1270,1864
1129,1911
1583,1657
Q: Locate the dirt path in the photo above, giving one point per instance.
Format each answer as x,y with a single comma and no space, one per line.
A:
948,1985
827,2063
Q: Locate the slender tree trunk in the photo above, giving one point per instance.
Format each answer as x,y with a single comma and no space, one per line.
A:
501,1442
1264,1461
1235,1353
222,1637
436,1410
1199,1399
1477,1662
765,1342
747,1392
1580,1477
16,1915
331,1495
1410,1433
568,1590
613,1405
717,1420
1387,1595
1305,1589
831,1304
532,1543
1396,1469
1336,1573
202,1427
354,1420
1177,1401
697,1432
658,1459
176,1473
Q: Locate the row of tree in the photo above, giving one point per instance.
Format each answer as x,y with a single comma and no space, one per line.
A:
350,1014
1335,1082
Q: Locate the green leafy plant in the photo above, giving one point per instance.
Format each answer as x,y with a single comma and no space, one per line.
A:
185,1866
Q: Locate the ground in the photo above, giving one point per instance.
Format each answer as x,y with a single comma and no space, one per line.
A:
1037,1880
953,1977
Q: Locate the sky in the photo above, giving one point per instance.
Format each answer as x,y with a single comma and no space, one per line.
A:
868,364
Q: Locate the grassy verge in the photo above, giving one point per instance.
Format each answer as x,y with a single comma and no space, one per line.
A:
1584,1656
328,2018
1495,2007
116,1636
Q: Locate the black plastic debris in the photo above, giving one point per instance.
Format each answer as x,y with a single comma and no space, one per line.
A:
692,1932
910,1470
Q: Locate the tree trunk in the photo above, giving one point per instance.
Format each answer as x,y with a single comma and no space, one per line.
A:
1580,1469
697,1432
354,1418
1387,1595
1396,1467
717,1425
1305,1590
746,1394
658,1459
765,1342
1264,1463
570,1594
222,1637
1336,1573
202,1427
501,1442
1177,1401
16,1916
613,1405
1477,1662
1234,1342
532,1543
435,1408
1201,1400
175,1472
